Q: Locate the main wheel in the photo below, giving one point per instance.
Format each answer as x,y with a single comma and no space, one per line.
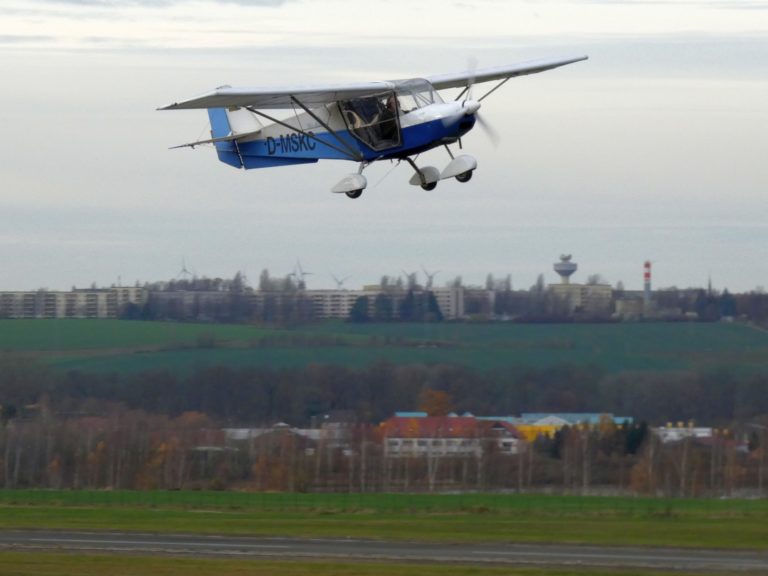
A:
429,186
464,176
354,194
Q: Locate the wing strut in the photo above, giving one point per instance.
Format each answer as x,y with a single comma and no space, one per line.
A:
356,154
492,90
350,152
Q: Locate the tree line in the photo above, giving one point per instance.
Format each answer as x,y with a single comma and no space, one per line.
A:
258,395
163,430
133,449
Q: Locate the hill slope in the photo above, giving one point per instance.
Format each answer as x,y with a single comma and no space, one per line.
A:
124,346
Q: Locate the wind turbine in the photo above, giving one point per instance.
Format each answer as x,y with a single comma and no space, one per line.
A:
430,277
299,274
411,281
339,282
184,274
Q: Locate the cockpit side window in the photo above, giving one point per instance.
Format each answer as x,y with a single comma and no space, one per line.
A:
373,120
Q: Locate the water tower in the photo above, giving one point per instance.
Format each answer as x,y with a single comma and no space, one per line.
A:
565,268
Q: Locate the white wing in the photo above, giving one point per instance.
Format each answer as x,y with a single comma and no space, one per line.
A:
282,98
312,96
460,79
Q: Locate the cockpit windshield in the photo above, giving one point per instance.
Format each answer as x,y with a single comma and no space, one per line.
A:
416,93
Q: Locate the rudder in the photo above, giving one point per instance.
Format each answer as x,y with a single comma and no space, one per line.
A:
220,128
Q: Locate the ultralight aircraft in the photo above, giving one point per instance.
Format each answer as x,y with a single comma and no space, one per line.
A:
366,122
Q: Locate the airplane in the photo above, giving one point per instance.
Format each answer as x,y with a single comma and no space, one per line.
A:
364,122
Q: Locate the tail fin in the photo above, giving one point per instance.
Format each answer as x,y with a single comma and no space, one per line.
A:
220,128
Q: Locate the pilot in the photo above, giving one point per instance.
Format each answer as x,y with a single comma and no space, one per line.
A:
388,121
392,104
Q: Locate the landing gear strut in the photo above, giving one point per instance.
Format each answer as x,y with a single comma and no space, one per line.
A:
426,177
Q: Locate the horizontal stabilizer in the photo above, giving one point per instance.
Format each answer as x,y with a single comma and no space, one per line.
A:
230,138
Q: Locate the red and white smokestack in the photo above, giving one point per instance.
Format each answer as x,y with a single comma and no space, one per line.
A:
647,281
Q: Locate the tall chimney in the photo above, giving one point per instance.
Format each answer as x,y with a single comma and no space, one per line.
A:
647,283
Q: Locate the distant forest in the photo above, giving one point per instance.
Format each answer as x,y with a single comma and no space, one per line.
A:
251,396
158,430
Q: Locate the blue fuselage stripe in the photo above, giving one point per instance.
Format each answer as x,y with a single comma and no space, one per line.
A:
283,149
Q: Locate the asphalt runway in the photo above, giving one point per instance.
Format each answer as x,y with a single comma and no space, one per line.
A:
361,550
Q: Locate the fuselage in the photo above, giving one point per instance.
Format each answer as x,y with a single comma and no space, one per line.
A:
393,125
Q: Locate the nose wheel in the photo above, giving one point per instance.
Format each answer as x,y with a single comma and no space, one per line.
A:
354,194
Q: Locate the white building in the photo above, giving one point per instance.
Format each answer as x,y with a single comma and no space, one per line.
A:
84,303
338,303
589,299
675,434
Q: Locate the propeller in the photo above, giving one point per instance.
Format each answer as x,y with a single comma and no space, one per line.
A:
489,130
474,105
472,69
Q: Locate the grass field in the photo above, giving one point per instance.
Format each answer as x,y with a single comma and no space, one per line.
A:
730,524
68,335
123,346
445,518
42,564
515,504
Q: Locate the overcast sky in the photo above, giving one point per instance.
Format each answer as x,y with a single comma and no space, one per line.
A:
654,149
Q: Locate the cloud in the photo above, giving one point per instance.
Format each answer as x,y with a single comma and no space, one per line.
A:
159,3
730,4
23,39
111,3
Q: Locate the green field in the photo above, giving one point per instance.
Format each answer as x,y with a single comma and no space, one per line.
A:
726,524
445,518
129,346
46,564
480,503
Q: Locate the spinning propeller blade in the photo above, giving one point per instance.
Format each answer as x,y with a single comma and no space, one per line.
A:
489,130
472,69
